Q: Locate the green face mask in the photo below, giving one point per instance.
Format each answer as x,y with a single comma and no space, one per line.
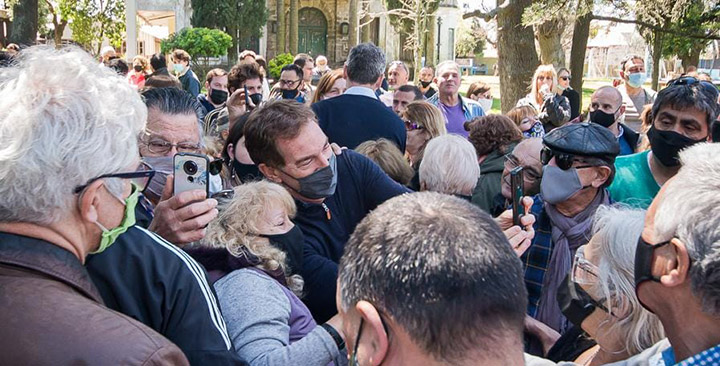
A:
109,236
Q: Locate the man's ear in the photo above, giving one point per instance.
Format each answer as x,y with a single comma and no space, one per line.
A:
378,82
270,173
602,174
374,338
622,110
207,86
89,200
676,269
231,151
345,73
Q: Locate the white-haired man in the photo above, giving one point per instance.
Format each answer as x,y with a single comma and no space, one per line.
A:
456,108
69,188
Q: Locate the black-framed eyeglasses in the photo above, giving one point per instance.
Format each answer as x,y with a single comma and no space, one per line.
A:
512,162
289,83
141,177
690,80
564,78
412,126
563,160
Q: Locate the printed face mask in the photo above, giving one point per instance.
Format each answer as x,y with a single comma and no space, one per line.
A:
163,166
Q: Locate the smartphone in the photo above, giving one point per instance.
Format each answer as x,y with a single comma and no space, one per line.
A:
247,98
516,187
191,172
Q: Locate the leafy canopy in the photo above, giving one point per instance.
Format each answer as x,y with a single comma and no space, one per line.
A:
198,42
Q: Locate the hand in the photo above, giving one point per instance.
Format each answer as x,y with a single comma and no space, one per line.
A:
546,335
505,220
337,323
182,219
236,104
520,239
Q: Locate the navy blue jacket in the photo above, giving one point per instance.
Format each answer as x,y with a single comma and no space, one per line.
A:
151,280
350,120
361,187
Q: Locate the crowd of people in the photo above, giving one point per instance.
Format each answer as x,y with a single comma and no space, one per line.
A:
350,217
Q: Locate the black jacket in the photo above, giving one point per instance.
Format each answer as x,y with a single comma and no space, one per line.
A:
149,279
574,100
630,136
349,120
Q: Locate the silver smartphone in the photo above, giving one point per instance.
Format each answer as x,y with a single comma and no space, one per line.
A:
191,172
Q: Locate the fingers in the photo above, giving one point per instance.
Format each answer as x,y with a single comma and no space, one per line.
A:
505,220
519,239
193,211
527,202
183,199
168,189
527,220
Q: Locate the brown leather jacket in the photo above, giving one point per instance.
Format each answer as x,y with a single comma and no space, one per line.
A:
52,314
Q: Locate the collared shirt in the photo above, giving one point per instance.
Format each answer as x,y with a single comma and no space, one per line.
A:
470,108
710,356
361,90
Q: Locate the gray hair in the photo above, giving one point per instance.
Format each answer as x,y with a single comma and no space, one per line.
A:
615,233
688,211
173,101
365,63
65,121
444,64
450,165
442,269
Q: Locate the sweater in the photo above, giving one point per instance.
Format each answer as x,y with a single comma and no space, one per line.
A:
489,183
263,317
350,120
361,186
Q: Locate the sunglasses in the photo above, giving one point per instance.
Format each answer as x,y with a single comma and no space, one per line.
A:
565,78
412,126
563,160
690,80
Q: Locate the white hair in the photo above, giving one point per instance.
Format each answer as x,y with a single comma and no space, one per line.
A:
450,165
448,63
615,233
64,121
688,211
106,50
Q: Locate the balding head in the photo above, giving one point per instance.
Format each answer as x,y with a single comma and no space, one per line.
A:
527,155
608,100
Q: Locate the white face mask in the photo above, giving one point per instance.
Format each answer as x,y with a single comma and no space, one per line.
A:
486,104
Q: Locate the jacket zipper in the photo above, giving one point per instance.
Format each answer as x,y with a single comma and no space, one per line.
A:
327,211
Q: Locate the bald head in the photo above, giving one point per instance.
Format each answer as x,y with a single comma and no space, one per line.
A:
608,100
527,155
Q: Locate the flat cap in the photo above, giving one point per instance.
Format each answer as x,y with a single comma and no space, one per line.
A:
584,139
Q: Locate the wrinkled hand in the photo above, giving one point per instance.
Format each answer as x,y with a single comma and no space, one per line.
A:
519,238
182,219
236,104
505,220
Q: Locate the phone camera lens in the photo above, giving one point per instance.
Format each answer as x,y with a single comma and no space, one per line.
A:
190,167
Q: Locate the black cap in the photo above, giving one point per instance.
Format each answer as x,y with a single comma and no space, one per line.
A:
584,139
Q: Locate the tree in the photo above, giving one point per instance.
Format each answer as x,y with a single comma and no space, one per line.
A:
93,21
24,27
241,19
60,18
411,17
470,39
200,43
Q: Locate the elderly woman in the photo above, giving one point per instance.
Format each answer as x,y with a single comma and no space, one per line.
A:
69,187
493,137
554,108
423,121
598,295
331,85
252,252
387,155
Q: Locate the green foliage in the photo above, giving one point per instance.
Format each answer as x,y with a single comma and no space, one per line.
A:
470,39
243,18
198,42
92,21
277,63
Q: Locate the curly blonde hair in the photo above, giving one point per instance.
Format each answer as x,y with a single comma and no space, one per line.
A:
236,229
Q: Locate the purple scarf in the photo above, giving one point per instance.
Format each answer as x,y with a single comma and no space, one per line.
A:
568,233
218,262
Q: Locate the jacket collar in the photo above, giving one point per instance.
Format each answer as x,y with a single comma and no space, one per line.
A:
48,259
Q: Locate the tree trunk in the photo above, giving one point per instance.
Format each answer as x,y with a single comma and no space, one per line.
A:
294,9
549,36
232,52
581,33
517,58
431,29
692,59
24,27
656,55
280,14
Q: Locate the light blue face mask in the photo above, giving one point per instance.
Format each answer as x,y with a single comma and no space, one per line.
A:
178,68
636,79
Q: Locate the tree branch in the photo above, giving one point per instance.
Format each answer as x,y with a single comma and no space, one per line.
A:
710,35
487,15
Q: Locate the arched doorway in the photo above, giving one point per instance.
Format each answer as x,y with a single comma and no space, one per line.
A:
312,32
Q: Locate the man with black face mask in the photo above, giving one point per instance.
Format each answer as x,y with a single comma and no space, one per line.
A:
291,83
244,77
577,167
677,260
606,108
332,192
681,117
216,84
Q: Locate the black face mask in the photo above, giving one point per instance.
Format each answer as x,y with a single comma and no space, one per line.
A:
643,264
137,68
245,172
602,118
425,84
575,303
218,96
666,145
291,243
289,94
256,98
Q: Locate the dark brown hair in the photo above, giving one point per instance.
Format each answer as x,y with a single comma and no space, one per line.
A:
242,72
213,73
181,55
273,121
492,132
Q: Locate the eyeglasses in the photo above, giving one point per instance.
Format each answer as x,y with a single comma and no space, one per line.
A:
690,80
564,78
162,147
563,160
511,162
412,126
583,271
140,178
289,83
